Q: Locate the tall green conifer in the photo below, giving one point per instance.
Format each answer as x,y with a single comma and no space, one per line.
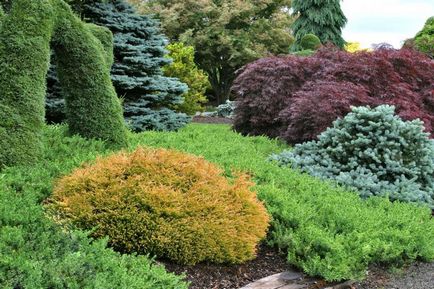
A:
324,18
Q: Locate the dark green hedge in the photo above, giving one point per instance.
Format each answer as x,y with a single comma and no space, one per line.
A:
93,109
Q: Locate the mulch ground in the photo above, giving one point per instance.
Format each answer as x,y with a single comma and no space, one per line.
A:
210,276
416,276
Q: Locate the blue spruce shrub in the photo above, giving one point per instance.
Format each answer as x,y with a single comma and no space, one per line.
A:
226,109
373,151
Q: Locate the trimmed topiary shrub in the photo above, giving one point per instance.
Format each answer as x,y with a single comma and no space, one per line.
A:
93,109
296,98
373,151
165,203
310,42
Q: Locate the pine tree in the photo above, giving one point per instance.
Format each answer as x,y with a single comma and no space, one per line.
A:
139,50
325,19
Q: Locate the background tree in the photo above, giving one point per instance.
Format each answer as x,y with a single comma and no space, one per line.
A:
424,39
139,55
325,19
184,68
139,50
226,34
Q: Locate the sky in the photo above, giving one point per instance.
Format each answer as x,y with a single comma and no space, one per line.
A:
390,21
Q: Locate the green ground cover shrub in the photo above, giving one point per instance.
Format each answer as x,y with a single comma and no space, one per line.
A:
373,151
326,230
36,253
166,203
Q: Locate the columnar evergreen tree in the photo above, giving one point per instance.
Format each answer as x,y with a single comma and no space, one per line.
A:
325,19
139,50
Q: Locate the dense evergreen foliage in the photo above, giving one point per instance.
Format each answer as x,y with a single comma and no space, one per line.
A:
83,60
82,70
373,151
24,37
326,231
296,98
184,68
164,203
325,19
35,252
139,50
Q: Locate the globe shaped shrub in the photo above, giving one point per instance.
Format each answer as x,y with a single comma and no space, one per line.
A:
373,151
310,42
164,203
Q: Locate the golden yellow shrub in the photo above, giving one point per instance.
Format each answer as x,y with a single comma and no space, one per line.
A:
165,203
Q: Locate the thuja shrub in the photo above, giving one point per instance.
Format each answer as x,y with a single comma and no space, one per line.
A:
373,151
310,42
165,203
296,98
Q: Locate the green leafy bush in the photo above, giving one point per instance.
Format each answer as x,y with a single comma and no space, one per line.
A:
373,151
165,203
184,68
36,253
424,39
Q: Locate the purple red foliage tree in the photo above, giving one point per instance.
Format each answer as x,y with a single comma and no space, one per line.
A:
296,98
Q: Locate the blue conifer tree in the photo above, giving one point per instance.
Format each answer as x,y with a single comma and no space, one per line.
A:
139,49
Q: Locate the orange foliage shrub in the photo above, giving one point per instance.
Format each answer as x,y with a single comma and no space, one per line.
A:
165,203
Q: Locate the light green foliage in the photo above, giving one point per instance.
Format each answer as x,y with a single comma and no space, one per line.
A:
93,108
184,68
35,253
326,230
226,34
325,19
373,151
424,39
310,42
